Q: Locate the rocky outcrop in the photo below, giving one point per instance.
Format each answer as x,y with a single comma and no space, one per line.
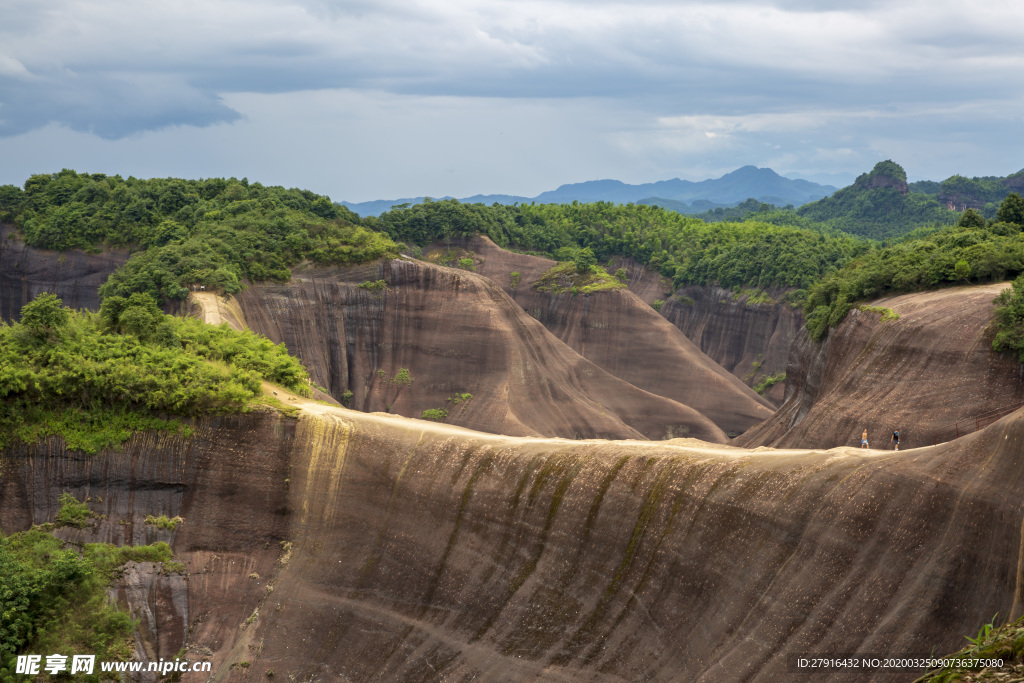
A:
74,276
924,374
620,333
456,333
417,551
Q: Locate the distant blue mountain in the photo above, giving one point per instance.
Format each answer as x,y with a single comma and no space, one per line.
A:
762,184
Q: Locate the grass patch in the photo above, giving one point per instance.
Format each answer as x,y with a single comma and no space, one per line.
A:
374,285
886,313
452,256
768,382
434,414
564,278
164,522
73,513
1004,642
753,296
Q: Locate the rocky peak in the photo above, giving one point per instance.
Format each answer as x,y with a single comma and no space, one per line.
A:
885,174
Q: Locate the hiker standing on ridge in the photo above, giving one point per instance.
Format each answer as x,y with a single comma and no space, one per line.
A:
895,438
864,439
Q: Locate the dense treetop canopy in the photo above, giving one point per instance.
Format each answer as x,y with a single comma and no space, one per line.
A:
96,377
974,250
213,232
686,249
219,232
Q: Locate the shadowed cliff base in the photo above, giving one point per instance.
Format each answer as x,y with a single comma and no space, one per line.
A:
920,369
373,547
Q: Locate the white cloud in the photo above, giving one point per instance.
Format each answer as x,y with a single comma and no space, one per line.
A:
564,90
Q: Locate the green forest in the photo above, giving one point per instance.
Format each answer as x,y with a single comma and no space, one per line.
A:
685,249
96,378
880,235
214,232
973,251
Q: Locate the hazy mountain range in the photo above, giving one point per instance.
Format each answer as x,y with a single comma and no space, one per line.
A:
684,196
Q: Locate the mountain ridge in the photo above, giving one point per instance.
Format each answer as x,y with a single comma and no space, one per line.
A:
745,182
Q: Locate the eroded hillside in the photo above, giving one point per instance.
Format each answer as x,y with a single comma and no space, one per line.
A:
617,331
922,373
455,333
376,547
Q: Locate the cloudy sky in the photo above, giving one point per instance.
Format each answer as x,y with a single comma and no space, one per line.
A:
369,99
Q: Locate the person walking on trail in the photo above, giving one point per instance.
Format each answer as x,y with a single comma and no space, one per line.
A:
864,439
895,439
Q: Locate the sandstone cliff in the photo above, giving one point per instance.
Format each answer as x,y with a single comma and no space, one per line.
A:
455,332
620,333
921,374
74,276
751,340
417,551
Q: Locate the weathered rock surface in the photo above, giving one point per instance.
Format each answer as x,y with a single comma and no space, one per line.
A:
750,340
74,276
455,332
620,333
426,552
732,331
228,482
921,374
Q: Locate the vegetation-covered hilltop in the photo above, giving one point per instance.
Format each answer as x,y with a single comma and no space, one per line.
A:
218,232
688,250
213,232
94,378
878,205
974,250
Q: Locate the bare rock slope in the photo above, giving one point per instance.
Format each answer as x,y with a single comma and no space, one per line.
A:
620,333
924,374
456,333
374,547
748,338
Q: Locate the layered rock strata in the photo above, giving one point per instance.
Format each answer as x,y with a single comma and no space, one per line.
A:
455,333
620,333
929,373
372,547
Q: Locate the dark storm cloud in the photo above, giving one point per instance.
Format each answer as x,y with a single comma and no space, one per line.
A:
115,68
107,106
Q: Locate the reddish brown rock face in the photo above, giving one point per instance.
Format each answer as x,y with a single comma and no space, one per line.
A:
620,333
923,374
74,276
750,340
455,332
425,552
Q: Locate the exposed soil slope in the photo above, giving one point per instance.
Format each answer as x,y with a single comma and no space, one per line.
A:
421,551
74,276
617,331
455,332
920,374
